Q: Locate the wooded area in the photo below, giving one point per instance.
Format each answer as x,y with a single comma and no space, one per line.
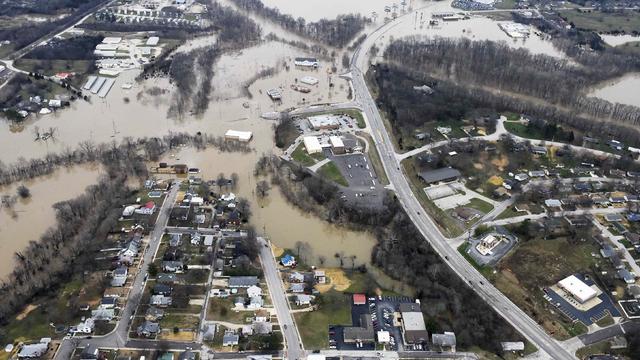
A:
337,32
76,48
497,76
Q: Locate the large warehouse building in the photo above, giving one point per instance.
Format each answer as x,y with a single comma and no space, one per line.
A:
312,144
577,289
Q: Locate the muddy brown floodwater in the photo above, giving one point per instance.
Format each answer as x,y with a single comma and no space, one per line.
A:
282,222
623,90
29,218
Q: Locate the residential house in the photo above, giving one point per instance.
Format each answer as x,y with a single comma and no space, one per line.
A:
209,332
34,351
626,276
262,327
175,240
582,187
255,302
616,262
302,299
607,251
633,238
239,302
296,277
172,266
85,327
521,177
253,291
319,276
153,314
164,278
208,240
108,303
553,203
195,239
634,291
262,315
537,173
242,281
119,277
90,352
148,209
613,217
103,314
162,289
230,338
220,293
538,150
187,355
148,329
296,288
160,300
166,356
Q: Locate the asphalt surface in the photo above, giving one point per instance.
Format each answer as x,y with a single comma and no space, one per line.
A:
609,332
294,349
118,338
500,303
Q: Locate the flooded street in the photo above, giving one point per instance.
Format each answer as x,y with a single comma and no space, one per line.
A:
623,90
31,217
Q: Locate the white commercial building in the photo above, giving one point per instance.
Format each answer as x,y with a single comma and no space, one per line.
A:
337,145
112,40
244,136
309,80
312,144
153,41
324,122
577,288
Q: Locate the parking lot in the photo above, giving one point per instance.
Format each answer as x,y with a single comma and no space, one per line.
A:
382,313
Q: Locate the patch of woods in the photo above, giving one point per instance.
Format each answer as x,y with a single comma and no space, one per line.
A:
76,48
401,252
493,75
41,7
337,32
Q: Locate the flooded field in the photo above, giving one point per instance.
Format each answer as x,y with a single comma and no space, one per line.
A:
314,10
145,113
623,90
616,40
283,223
30,217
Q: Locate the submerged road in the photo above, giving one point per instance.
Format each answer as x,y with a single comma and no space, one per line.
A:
500,303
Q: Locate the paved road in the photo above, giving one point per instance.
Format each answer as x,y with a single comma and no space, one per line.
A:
500,303
294,349
119,336
610,331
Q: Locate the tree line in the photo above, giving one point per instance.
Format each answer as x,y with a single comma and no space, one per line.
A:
516,72
337,32
401,252
76,48
87,152
408,108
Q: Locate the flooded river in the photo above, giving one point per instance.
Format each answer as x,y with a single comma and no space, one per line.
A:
314,10
623,90
29,218
238,100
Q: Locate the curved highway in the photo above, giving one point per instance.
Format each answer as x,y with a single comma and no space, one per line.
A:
500,303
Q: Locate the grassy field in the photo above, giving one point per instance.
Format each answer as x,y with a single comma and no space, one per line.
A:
334,309
331,172
170,321
509,213
523,130
222,310
300,156
480,205
376,161
598,21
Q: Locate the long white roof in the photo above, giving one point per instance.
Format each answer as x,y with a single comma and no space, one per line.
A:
577,288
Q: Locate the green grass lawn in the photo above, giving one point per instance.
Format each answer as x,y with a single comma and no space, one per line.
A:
170,321
334,309
598,21
331,172
480,205
523,130
509,213
222,310
300,156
